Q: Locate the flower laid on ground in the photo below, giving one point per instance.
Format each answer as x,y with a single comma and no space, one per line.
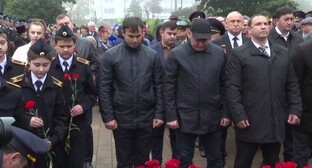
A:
30,106
282,165
193,166
152,164
73,83
172,163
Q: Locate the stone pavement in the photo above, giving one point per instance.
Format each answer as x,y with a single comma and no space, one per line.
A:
104,147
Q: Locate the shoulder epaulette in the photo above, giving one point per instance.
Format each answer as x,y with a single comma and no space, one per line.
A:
57,82
84,61
12,84
18,62
17,78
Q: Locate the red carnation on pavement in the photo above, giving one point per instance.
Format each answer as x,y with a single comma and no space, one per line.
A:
30,104
172,163
152,164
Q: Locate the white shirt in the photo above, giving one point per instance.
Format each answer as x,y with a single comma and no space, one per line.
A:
285,36
69,61
20,53
3,63
34,80
266,46
239,40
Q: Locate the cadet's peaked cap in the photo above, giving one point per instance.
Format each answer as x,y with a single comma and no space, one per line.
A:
40,48
28,144
64,32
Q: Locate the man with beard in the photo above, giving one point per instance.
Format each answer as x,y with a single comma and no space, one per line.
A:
130,95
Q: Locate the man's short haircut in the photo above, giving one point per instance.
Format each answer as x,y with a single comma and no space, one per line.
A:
132,23
253,16
282,11
61,16
171,25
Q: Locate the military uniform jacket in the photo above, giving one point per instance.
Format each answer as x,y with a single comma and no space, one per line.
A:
86,96
13,68
11,104
50,107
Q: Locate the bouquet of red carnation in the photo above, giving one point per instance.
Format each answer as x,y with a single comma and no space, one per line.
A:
152,164
73,82
286,165
172,163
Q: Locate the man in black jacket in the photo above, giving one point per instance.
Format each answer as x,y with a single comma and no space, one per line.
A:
130,95
260,84
193,82
283,35
302,134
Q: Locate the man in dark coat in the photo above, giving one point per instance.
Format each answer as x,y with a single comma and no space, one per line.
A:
168,33
193,80
302,133
130,95
283,35
262,94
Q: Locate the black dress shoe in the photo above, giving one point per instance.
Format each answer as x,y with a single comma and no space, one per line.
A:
88,165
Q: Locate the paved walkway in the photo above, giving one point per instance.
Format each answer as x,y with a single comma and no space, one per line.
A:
104,149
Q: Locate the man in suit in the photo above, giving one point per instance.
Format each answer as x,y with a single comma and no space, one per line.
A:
168,32
92,31
281,34
302,133
231,39
260,83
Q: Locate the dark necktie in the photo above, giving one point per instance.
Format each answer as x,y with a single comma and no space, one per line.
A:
1,74
38,83
235,44
66,66
263,51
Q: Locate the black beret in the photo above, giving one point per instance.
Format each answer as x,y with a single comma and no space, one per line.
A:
197,14
28,144
216,26
20,28
41,48
64,32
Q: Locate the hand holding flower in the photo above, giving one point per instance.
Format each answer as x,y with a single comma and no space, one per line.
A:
36,122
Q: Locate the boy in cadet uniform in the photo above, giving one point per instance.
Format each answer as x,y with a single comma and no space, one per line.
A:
8,66
22,149
38,86
76,70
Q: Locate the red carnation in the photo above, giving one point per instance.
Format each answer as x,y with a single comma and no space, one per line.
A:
67,76
194,166
172,163
30,104
266,166
290,165
152,164
75,76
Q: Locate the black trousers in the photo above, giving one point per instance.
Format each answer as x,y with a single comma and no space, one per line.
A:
245,153
75,157
132,146
302,146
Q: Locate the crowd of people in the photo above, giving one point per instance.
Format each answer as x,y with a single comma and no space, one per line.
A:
195,77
